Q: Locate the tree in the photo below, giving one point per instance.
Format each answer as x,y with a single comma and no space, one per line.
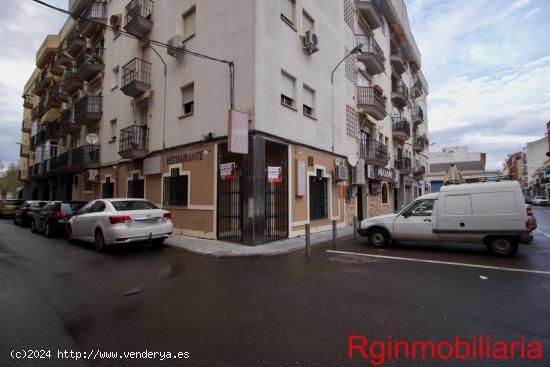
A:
9,179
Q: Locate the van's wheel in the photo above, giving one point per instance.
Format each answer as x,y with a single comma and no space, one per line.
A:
158,242
378,238
99,241
503,246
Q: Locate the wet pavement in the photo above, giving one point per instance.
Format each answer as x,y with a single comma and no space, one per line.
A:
284,310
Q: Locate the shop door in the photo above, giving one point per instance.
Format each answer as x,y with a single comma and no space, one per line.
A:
318,198
276,192
230,208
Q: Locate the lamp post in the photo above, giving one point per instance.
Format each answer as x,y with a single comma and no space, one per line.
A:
357,49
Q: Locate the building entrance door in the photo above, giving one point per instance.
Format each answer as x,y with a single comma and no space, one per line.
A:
359,203
318,198
229,221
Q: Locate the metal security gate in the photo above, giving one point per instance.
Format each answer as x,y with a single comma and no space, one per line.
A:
318,198
230,208
276,209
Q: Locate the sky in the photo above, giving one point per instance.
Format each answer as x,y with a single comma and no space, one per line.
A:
487,63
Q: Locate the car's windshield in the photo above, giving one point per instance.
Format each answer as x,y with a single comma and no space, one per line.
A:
125,205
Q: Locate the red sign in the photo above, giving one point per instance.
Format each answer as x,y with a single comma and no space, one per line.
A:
274,174
228,171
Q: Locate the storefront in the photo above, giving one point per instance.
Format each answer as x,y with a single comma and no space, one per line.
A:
381,184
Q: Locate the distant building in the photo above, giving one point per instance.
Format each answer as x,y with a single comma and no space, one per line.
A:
535,158
470,164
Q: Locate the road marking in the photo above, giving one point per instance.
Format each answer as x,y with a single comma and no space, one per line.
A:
541,232
441,262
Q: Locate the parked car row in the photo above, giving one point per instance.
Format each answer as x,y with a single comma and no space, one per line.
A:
103,222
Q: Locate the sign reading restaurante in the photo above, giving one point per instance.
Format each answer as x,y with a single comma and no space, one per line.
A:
185,157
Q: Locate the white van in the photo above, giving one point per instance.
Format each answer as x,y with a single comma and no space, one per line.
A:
493,214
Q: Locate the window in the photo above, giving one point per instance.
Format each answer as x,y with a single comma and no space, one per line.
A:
424,208
116,71
127,205
98,207
308,24
107,188
384,193
309,101
188,99
113,131
136,187
288,9
349,13
189,23
352,127
88,185
288,89
175,189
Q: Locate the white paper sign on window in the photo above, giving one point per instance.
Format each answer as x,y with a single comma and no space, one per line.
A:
274,174
238,132
228,171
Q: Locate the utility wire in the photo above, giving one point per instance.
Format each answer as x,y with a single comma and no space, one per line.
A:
155,42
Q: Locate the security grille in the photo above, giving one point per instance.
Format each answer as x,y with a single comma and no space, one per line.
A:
352,127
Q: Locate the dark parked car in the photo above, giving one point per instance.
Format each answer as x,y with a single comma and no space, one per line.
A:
8,206
25,212
528,200
54,216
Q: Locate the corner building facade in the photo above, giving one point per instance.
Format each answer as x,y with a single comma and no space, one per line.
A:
114,116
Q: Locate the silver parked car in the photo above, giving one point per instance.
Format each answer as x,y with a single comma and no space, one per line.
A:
118,221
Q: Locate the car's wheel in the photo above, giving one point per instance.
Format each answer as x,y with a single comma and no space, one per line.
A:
69,234
503,246
33,227
99,241
158,242
378,238
48,230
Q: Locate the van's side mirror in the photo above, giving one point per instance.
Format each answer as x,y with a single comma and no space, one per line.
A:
406,214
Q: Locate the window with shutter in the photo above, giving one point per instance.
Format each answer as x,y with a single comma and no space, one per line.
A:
288,89
309,101
288,11
189,23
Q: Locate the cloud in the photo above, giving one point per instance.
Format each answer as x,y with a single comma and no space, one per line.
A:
489,81
24,26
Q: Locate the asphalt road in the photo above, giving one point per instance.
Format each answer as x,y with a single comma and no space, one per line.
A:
276,311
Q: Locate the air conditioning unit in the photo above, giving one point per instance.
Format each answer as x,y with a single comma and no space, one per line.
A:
310,43
91,175
175,44
116,21
340,173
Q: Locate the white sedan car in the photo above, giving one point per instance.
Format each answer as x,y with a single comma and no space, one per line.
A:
118,221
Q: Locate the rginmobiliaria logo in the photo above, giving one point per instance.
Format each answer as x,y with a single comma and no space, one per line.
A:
377,352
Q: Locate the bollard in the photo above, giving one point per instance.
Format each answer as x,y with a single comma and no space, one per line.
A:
354,228
308,242
333,233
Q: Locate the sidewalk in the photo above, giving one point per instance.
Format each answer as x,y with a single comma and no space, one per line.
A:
214,248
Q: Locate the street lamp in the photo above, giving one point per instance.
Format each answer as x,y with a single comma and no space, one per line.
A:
357,49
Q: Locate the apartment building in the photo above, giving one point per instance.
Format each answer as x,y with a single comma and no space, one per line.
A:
111,115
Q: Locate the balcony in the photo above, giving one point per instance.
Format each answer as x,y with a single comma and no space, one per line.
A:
401,129
89,63
75,41
371,54
416,88
371,11
34,113
97,13
41,84
138,17
24,151
26,126
41,137
61,162
42,107
134,142
30,171
136,77
373,152
46,50
54,131
57,95
33,142
84,157
78,6
397,58
72,83
418,171
403,165
61,58
88,109
66,122
419,144
40,168
417,115
372,102
399,93
27,101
